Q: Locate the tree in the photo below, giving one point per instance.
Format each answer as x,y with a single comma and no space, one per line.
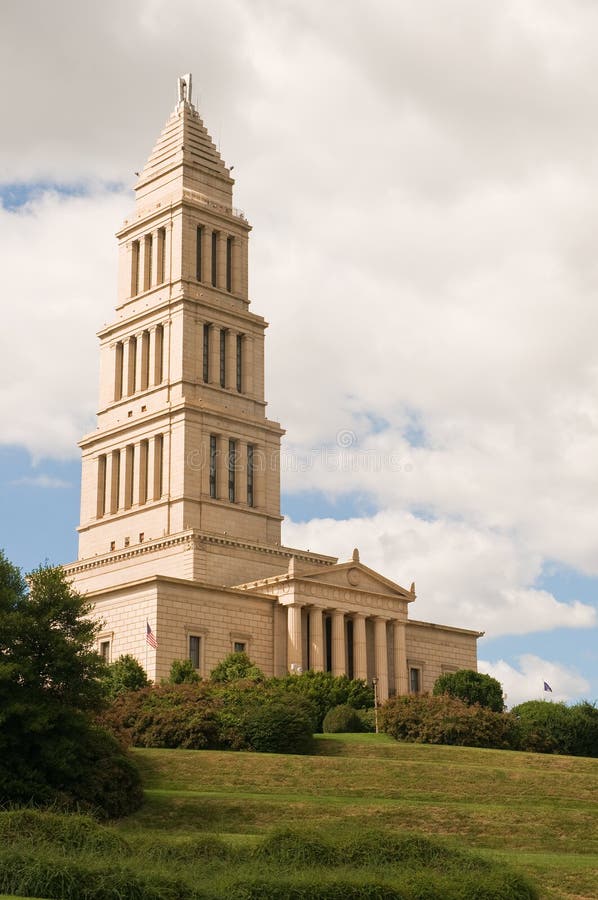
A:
548,727
124,674
50,685
471,687
325,691
236,667
183,672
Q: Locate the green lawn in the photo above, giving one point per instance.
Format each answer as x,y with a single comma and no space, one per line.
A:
538,812
207,815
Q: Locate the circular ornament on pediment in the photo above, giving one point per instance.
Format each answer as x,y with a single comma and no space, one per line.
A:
354,576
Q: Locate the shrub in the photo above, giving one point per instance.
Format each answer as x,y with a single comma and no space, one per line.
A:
182,671
367,718
265,718
548,727
291,846
325,691
124,674
236,667
471,687
168,715
341,719
446,720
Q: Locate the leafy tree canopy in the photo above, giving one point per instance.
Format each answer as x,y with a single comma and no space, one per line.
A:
471,687
124,674
183,672
236,667
50,684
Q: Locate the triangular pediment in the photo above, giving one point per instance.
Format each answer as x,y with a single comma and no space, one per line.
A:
355,575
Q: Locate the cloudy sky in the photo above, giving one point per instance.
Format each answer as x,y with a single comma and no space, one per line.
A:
422,179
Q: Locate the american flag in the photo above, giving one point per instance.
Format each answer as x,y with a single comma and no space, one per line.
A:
150,637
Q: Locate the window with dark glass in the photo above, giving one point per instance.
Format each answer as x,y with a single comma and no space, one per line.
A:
105,651
206,352
213,466
222,358
414,680
239,362
214,257
239,647
194,650
249,475
161,255
229,264
232,465
198,246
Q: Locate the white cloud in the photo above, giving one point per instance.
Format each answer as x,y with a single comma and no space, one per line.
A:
422,188
464,575
42,481
527,681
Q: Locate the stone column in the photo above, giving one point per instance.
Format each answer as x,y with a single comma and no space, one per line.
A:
260,465
214,360
112,475
247,375
141,360
221,261
155,279
360,659
400,657
129,357
316,635
143,472
294,644
236,250
230,368
206,255
221,467
136,472
338,642
381,658
244,267
241,480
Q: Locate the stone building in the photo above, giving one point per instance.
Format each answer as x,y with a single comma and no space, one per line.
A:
180,501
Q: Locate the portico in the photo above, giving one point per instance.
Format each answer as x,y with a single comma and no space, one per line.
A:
347,620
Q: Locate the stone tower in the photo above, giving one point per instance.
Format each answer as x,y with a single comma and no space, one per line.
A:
182,442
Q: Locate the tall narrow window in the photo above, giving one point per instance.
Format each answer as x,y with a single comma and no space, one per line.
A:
222,357
213,459
229,264
414,680
105,651
118,370
214,258
250,452
198,259
161,273
232,468
159,355
149,251
158,466
115,486
206,352
195,650
101,506
143,470
239,362
134,268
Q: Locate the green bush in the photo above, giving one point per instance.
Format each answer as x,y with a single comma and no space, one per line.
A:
548,727
446,720
124,674
325,691
169,715
341,719
291,846
182,671
367,717
236,667
265,718
471,687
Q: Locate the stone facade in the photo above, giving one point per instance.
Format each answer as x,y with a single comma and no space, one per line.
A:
180,499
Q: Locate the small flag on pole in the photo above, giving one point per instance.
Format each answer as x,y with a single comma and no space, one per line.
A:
547,687
150,637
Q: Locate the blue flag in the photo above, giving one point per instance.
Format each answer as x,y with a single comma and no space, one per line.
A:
547,687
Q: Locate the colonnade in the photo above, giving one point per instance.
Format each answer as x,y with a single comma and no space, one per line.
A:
139,362
221,260
227,358
236,472
131,476
348,657
148,261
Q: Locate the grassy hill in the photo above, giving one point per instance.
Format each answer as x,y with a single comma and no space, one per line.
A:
539,813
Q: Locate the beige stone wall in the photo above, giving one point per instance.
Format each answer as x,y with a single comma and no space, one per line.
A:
124,614
437,649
